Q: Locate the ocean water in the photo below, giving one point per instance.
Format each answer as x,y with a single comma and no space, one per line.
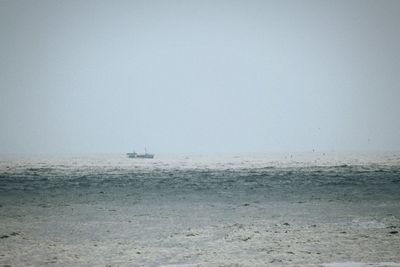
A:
300,209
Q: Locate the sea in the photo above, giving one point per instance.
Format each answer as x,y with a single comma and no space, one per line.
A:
299,209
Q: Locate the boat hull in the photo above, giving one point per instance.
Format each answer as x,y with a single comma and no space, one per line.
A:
140,156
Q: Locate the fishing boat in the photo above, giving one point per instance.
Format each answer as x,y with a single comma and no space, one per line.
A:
145,155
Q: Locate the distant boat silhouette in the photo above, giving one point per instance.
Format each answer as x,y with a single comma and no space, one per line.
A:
146,155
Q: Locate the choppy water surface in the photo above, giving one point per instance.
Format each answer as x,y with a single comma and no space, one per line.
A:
303,209
348,179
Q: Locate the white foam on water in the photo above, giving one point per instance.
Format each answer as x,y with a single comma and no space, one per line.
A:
180,265
361,264
121,225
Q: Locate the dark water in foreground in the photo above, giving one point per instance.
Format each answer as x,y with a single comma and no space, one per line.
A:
141,178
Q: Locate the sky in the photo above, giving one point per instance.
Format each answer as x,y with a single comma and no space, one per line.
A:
200,77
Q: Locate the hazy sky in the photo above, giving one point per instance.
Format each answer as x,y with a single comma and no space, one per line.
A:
199,76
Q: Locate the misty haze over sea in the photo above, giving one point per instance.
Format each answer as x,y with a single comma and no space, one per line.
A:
274,127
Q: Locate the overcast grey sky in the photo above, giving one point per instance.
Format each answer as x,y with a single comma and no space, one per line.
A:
199,76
